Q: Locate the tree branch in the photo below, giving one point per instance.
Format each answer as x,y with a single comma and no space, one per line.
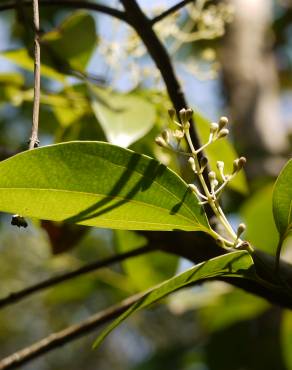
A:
34,141
70,4
142,25
17,296
67,335
169,11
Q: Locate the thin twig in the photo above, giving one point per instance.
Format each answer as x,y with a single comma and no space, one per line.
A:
17,296
70,4
69,334
169,11
34,141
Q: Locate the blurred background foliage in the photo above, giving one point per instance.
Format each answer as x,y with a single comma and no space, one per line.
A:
99,83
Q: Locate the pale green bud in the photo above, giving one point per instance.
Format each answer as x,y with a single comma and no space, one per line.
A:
171,113
241,228
223,122
212,175
214,127
222,133
160,141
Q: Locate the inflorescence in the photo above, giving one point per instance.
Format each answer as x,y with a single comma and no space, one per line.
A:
171,139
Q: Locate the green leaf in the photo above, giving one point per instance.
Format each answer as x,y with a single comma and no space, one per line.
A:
11,84
125,118
221,150
98,184
257,214
282,201
146,270
22,59
72,43
236,264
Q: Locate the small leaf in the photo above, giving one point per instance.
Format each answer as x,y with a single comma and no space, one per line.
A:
221,150
282,201
125,118
236,264
72,43
98,184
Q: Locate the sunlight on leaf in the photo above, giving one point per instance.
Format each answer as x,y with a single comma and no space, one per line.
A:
282,201
125,118
98,184
236,264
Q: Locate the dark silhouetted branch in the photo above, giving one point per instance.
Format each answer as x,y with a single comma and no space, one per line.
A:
17,296
171,10
142,25
70,4
69,334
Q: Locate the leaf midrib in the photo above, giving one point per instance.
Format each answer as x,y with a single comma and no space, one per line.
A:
111,197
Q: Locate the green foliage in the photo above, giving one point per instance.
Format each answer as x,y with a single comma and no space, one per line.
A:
236,264
282,201
72,43
262,233
22,59
125,118
147,270
98,184
221,150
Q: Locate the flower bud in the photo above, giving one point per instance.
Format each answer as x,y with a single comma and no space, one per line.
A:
241,228
238,164
212,175
203,163
215,183
241,162
214,127
220,166
165,135
194,188
171,113
189,114
222,133
178,134
191,160
192,163
223,122
183,115
160,141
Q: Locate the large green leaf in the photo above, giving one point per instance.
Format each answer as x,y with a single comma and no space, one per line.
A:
125,118
282,201
72,43
98,184
236,264
221,150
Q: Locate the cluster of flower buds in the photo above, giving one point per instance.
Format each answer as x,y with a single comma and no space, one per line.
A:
164,140
209,194
219,130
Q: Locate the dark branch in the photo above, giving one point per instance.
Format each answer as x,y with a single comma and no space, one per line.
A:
171,10
15,297
142,25
70,4
62,337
